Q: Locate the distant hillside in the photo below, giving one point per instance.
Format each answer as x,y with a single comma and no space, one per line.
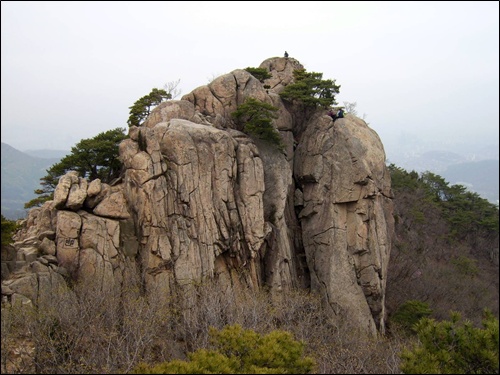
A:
479,176
47,154
434,161
21,175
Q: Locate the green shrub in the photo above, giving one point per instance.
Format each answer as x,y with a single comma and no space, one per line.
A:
466,266
9,227
256,117
260,73
310,89
453,347
143,106
410,312
240,351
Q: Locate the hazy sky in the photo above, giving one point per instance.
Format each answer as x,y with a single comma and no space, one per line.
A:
71,70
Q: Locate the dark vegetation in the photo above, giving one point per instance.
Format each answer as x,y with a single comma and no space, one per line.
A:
260,73
143,106
453,347
308,93
9,227
92,158
256,119
446,248
240,351
310,90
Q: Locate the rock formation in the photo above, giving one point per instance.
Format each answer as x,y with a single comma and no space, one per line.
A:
200,199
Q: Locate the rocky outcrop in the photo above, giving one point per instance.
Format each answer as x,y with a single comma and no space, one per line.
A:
200,199
346,216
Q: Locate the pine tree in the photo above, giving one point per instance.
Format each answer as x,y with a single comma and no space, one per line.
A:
256,117
453,347
311,90
241,351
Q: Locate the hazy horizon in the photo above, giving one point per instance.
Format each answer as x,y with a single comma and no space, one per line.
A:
426,72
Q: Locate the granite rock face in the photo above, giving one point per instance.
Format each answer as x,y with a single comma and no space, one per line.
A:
200,199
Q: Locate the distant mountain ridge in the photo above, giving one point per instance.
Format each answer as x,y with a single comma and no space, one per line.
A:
480,176
21,173
47,154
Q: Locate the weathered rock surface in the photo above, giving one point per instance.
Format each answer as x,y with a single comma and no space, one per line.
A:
200,199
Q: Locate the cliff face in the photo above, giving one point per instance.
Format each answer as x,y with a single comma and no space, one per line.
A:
200,199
